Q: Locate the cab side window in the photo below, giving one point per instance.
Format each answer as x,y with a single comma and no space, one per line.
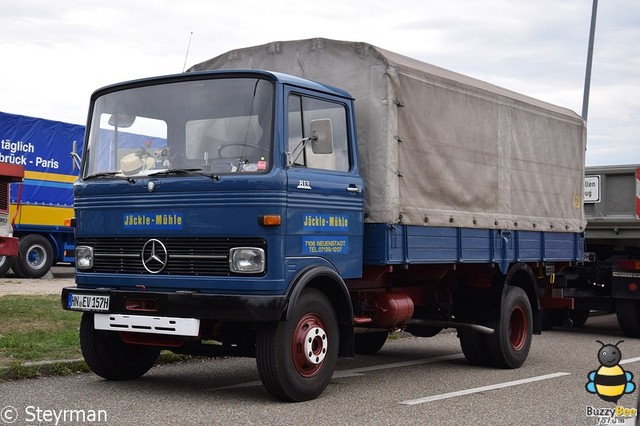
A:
303,110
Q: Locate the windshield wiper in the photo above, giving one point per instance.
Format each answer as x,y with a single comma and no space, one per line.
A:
110,174
191,172
100,174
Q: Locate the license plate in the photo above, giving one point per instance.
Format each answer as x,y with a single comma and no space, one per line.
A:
85,302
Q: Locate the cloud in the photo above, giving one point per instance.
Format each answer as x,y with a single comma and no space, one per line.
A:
56,53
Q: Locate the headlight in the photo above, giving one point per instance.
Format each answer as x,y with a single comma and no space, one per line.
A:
84,257
246,260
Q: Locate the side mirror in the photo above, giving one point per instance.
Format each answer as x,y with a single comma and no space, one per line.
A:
77,161
321,136
121,120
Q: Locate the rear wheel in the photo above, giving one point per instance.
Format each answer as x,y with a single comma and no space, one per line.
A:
474,346
296,358
35,256
510,343
628,313
550,318
579,317
370,343
109,357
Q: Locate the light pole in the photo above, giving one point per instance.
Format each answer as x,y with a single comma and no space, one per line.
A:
587,77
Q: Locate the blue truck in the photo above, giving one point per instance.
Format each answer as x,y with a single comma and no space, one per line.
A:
269,213
41,206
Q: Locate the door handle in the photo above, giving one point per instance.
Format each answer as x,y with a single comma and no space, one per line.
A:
354,189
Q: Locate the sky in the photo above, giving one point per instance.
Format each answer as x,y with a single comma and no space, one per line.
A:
55,54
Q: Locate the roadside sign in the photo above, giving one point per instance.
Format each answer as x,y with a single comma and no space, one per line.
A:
592,189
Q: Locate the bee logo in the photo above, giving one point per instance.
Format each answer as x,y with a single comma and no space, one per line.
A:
610,381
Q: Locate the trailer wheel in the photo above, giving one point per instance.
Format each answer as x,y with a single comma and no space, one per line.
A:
510,343
296,358
579,317
370,343
109,357
35,256
628,313
5,264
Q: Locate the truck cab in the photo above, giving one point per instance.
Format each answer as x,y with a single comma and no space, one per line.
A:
208,205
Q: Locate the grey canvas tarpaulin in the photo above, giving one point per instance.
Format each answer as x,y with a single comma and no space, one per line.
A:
438,148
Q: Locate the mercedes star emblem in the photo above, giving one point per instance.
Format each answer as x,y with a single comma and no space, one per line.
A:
154,256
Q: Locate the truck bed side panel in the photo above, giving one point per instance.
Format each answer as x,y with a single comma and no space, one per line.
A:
405,244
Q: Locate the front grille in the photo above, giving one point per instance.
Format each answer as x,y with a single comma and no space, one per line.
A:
186,256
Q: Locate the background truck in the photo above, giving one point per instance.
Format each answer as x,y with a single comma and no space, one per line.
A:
290,223
42,205
610,278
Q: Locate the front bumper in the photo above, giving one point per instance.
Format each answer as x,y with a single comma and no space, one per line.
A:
221,307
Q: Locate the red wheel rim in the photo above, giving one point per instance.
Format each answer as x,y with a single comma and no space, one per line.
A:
309,345
518,328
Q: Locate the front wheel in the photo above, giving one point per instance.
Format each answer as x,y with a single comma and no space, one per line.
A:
509,345
296,358
109,357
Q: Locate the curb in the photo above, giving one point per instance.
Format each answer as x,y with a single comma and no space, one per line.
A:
36,369
66,367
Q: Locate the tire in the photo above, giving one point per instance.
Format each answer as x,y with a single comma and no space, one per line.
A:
296,358
5,264
579,317
474,346
423,330
35,256
370,343
109,357
628,313
509,345
550,318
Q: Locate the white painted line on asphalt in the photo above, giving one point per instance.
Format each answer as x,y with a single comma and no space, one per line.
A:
359,371
482,389
355,372
627,361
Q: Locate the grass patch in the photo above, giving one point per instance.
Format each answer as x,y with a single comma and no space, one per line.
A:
36,328
36,334
32,371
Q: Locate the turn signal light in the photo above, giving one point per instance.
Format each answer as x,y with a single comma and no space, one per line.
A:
270,220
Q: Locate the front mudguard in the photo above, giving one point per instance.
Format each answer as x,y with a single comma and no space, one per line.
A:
329,282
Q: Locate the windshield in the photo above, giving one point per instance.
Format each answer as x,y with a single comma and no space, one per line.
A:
215,126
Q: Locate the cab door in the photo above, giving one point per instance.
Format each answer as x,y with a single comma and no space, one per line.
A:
325,192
